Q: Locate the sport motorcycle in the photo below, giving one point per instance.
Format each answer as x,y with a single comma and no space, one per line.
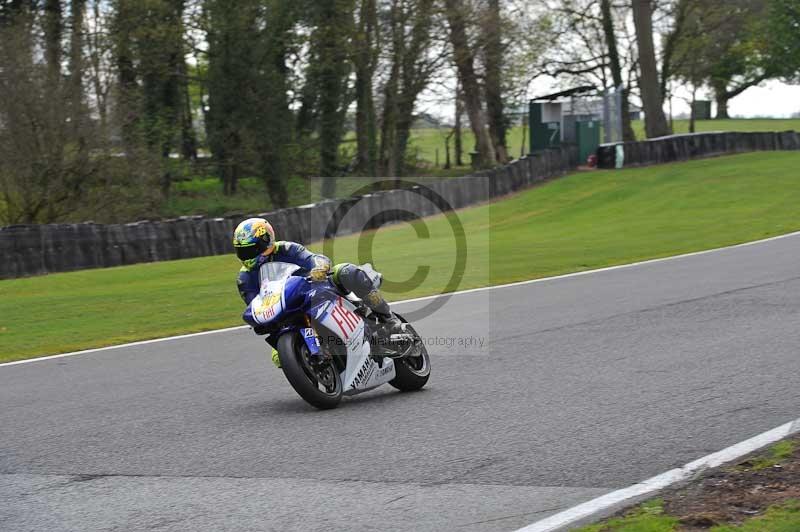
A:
331,344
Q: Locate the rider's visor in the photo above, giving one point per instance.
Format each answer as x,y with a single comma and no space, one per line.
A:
247,252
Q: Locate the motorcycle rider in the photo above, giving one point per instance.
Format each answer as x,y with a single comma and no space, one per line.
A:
255,244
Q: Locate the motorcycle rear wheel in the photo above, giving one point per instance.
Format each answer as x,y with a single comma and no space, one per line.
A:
319,385
412,373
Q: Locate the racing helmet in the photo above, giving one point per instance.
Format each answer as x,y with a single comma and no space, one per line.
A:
253,237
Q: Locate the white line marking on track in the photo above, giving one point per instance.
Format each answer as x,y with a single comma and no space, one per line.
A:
120,346
606,269
616,500
424,298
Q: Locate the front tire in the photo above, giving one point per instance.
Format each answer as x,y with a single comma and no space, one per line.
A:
319,385
412,373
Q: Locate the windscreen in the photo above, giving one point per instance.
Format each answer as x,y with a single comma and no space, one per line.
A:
275,271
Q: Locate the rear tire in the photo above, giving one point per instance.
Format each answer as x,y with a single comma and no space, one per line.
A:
306,380
412,373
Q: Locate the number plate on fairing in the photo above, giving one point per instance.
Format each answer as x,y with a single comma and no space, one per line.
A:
265,307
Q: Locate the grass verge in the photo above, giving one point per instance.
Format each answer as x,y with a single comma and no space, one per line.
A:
775,455
759,494
647,517
585,221
650,517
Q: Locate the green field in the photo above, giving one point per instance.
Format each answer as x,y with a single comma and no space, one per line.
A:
584,221
203,195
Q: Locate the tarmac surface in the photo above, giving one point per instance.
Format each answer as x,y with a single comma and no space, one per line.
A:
542,396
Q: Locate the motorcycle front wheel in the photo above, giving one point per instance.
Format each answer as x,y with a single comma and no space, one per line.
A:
318,384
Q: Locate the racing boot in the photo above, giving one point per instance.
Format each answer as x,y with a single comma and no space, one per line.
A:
351,278
391,324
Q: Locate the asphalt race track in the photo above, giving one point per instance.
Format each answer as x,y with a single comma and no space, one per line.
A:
583,385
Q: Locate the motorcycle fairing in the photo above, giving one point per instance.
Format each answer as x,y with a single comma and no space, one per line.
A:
282,294
269,303
362,371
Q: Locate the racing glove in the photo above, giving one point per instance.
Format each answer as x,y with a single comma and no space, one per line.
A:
321,269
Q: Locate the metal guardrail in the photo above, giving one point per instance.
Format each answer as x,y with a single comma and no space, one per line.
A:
692,146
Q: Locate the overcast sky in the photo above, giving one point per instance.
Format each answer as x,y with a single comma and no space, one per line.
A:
772,99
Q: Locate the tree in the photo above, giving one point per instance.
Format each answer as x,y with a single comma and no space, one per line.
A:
330,43
231,34
783,29
459,111
616,68
54,166
272,117
78,111
728,43
464,59
678,33
127,91
188,139
53,27
689,61
150,62
736,50
99,65
365,60
731,45
590,42
649,83
248,120
574,53
412,62
494,52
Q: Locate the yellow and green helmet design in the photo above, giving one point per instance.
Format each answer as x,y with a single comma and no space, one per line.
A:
253,237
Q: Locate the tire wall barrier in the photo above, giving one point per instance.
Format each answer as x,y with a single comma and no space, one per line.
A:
38,249
696,145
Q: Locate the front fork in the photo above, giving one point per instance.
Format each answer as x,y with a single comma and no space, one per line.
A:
311,339
309,335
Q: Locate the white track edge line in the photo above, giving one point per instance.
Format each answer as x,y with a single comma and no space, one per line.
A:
120,346
605,269
424,298
582,513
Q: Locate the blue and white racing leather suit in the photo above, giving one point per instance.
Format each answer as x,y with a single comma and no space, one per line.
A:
348,277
